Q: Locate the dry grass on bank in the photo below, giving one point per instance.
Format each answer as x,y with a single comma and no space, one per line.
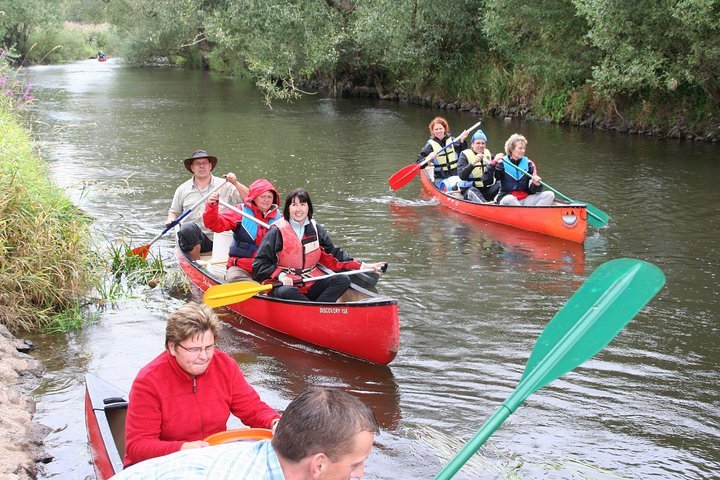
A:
45,247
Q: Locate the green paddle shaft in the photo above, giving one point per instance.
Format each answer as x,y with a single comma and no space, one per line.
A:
594,315
597,218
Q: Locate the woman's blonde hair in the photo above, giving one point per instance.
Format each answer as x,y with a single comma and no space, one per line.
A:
190,320
514,139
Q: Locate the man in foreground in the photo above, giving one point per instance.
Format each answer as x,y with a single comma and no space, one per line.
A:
324,433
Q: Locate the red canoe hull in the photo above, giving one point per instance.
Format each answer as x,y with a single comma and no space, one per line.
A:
368,330
105,409
568,222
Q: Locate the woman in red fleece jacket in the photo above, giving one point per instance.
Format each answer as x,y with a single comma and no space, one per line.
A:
189,391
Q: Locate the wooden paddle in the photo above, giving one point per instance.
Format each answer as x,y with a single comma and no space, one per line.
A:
597,218
236,292
602,306
143,250
403,176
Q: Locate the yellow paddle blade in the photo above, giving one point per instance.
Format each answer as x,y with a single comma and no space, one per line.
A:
229,293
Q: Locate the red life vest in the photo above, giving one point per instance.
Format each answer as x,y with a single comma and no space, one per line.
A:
299,258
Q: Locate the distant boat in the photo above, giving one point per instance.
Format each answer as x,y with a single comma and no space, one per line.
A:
101,57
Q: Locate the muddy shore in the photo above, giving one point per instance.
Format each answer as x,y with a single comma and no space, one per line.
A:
21,440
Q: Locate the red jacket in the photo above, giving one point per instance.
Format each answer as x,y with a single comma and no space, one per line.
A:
247,234
167,407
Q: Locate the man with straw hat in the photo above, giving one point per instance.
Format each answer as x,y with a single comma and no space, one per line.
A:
193,237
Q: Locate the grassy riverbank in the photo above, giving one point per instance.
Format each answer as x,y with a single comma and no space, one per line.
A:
45,242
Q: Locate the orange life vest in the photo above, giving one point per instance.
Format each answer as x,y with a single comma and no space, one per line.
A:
299,258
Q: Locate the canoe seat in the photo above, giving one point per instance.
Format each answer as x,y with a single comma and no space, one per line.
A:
351,295
116,411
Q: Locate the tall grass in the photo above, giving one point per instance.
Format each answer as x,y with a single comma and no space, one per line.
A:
45,247
51,269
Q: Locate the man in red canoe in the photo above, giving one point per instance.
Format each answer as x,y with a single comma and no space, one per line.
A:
194,237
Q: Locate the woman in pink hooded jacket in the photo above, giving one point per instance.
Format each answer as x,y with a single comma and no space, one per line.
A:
262,203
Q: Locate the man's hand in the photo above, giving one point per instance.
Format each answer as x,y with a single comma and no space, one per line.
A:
196,444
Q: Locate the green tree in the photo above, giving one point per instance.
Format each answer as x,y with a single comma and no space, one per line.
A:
18,19
545,38
654,46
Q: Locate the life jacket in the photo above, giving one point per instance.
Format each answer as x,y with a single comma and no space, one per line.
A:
477,172
514,181
249,234
299,258
447,159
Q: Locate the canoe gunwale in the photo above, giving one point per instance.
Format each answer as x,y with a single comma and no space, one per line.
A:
367,329
102,401
489,212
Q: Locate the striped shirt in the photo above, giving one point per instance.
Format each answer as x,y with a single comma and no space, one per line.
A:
237,461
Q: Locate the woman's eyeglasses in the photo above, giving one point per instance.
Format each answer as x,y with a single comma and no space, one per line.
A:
197,350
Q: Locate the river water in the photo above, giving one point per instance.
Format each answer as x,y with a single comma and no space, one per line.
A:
473,295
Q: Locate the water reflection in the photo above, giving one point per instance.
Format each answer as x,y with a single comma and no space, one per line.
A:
476,237
304,366
473,296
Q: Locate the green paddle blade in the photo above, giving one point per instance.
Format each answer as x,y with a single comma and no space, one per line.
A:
596,217
601,307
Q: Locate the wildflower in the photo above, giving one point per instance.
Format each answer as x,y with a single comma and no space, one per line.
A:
3,80
26,95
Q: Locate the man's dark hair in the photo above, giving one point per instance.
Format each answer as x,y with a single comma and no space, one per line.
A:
322,420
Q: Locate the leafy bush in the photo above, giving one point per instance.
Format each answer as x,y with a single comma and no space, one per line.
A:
59,45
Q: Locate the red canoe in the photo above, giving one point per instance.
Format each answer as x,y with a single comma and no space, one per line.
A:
566,221
361,324
105,409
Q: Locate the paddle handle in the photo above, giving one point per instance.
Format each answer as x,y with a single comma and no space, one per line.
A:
348,272
477,441
244,214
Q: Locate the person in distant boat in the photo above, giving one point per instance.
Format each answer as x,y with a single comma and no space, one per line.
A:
261,202
324,433
292,250
189,391
194,237
516,188
445,162
471,168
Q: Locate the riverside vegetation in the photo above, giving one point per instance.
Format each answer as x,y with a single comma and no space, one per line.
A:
645,66
51,268
50,273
